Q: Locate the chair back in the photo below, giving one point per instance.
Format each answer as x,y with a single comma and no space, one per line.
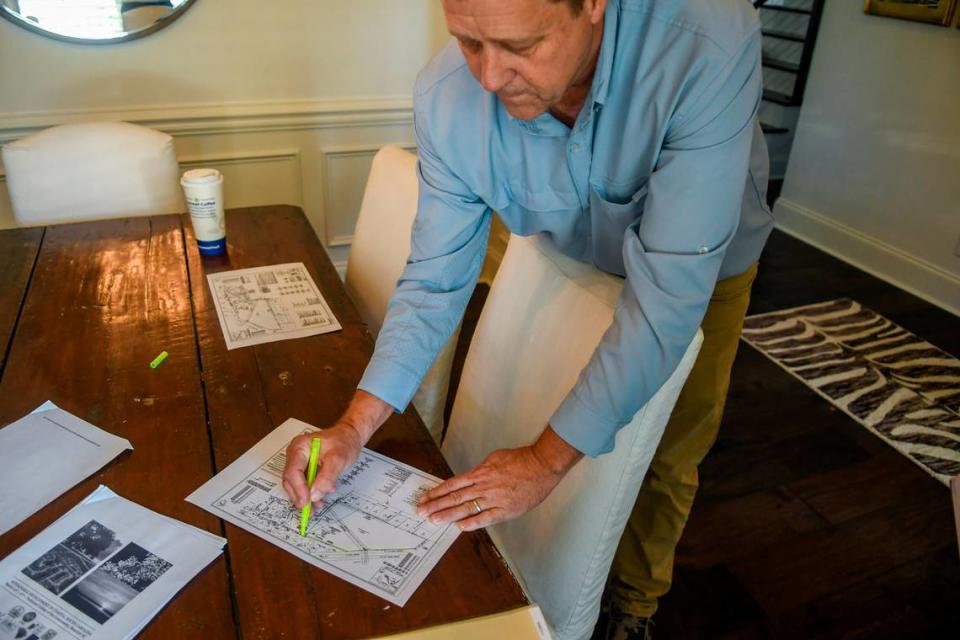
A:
90,171
542,320
378,254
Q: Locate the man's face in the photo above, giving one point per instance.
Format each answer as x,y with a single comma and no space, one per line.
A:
528,52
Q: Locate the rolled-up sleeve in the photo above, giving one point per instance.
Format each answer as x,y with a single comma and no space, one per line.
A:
448,244
672,254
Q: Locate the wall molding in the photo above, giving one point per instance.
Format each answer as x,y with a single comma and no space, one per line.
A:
266,155
331,154
887,262
291,154
310,135
227,118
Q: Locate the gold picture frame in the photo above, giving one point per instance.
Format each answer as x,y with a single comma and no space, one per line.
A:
932,11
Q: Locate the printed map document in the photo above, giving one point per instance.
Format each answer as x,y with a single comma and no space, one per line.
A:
103,570
266,304
65,450
368,531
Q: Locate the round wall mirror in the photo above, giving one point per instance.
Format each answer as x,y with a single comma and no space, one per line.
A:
93,21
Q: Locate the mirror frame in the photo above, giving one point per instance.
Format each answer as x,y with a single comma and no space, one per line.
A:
29,25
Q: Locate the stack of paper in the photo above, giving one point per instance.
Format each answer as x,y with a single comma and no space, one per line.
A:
45,453
103,570
527,623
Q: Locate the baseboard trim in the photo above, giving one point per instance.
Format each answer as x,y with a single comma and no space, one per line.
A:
236,117
889,263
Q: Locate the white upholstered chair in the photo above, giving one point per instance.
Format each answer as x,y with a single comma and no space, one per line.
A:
92,170
541,322
381,245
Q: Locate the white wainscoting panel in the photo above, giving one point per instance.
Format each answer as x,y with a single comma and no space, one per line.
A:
345,171
313,154
256,177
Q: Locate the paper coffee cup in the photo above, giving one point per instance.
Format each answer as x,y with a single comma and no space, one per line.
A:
203,191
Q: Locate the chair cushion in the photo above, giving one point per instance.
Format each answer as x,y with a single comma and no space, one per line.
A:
542,320
92,170
381,239
378,254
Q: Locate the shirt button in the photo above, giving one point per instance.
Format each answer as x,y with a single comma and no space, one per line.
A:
702,250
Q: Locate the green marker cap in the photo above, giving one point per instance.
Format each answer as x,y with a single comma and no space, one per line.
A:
158,360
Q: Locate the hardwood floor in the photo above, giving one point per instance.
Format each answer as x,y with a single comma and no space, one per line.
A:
806,525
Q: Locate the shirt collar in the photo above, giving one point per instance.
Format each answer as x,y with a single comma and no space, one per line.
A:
604,71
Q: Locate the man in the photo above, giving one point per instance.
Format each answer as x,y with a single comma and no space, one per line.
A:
625,131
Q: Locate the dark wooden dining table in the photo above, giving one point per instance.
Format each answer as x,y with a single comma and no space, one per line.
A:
85,307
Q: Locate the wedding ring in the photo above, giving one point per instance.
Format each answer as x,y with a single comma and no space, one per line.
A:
476,505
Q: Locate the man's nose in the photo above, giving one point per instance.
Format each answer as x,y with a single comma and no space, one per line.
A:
494,74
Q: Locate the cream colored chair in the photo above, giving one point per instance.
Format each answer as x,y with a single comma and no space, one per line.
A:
381,245
92,170
542,320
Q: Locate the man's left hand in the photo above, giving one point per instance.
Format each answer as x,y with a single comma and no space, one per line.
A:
507,484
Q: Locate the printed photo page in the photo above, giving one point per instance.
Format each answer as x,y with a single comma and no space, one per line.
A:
103,570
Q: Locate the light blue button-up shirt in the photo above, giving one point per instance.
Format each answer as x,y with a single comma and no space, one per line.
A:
661,180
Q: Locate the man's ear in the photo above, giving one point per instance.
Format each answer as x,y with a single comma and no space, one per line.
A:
595,9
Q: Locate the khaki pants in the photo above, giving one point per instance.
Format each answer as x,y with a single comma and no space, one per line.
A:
643,566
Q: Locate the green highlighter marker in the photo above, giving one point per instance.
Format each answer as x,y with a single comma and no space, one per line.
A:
311,476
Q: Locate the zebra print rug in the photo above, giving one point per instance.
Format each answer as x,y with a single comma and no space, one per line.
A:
900,387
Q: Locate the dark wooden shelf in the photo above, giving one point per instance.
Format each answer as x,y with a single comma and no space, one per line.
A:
782,65
779,98
775,7
783,35
772,129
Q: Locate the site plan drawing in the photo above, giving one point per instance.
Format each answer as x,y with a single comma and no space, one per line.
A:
265,304
367,532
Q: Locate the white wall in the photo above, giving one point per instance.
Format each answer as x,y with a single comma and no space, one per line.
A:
874,173
289,99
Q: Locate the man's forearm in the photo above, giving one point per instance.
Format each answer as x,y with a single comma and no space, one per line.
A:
554,453
366,413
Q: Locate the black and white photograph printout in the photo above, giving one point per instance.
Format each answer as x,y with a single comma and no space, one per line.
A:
266,304
103,570
70,559
367,532
116,582
68,450
899,386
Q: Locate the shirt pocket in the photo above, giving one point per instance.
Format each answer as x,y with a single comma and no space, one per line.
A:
609,220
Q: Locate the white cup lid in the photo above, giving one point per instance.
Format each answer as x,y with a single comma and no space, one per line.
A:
201,176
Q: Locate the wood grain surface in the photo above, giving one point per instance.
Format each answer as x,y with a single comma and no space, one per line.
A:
104,299
252,390
18,252
86,307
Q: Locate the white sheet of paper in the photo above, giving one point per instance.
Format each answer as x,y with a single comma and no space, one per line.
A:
103,570
368,531
266,304
44,454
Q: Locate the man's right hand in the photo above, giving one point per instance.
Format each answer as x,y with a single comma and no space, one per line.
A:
341,445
